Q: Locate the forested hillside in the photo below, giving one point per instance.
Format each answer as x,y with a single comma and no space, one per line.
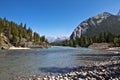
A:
106,37
19,35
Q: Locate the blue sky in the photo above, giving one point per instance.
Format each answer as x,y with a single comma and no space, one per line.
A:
55,17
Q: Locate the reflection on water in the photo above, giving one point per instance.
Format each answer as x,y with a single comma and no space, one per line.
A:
55,59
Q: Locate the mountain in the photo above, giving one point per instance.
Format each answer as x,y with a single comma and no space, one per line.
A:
56,39
12,34
118,13
104,22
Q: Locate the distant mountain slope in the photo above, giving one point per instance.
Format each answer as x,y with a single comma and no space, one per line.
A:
104,22
56,39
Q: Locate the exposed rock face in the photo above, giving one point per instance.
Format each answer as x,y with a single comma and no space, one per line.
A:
5,43
118,13
76,33
101,23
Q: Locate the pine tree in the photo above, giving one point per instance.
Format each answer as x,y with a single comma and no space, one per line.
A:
71,43
36,38
116,41
110,37
101,38
43,38
0,39
90,41
29,32
15,40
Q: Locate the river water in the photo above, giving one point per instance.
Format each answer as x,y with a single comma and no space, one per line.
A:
54,59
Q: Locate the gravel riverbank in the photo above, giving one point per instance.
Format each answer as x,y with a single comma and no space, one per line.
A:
104,71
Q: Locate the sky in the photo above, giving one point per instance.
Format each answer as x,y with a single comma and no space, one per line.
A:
55,17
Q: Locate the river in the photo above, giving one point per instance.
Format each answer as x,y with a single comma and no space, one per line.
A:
55,60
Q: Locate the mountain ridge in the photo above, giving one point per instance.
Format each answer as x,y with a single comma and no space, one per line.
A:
56,39
103,22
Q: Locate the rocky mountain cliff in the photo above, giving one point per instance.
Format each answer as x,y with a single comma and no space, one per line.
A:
105,22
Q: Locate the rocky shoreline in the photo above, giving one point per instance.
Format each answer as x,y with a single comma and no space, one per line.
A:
104,71
17,48
6,45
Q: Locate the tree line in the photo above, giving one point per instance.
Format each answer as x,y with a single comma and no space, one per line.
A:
84,41
17,33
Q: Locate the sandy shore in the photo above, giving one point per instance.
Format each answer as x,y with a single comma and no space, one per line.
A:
12,48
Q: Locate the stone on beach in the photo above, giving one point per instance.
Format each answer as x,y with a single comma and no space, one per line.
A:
108,71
